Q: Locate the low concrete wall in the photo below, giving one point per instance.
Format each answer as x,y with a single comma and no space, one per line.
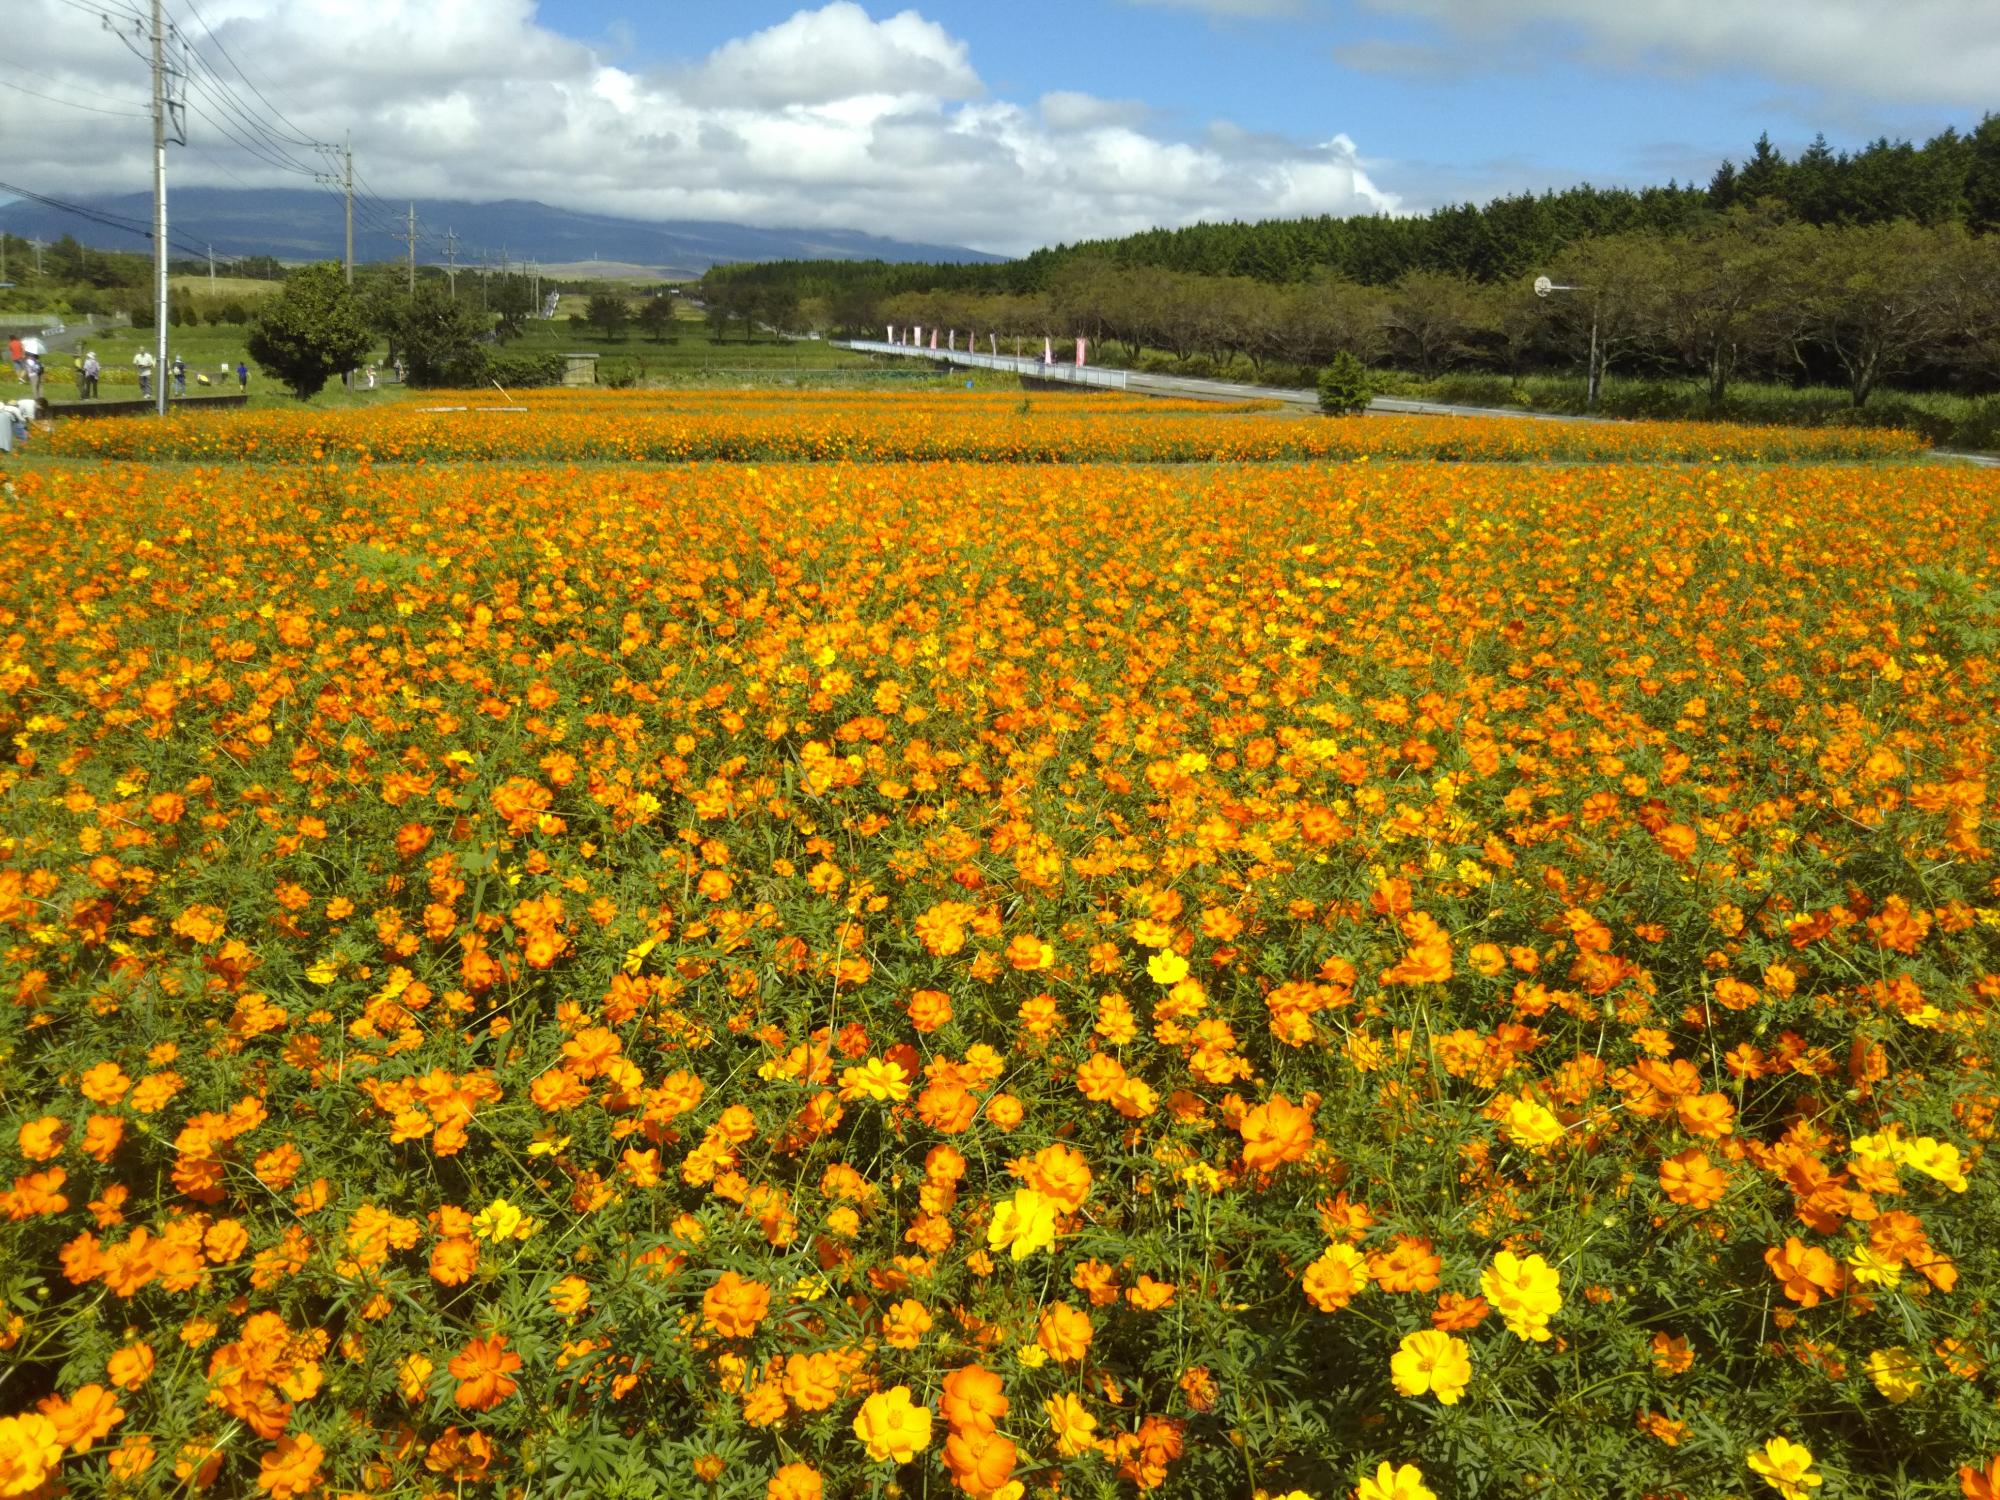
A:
140,406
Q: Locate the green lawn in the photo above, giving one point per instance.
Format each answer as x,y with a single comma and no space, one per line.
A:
206,348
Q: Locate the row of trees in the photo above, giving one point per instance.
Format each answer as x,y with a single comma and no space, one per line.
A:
1952,178
316,326
1744,292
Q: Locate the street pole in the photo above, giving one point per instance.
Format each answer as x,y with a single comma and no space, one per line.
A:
451,262
211,268
411,226
1593,374
1590,390
159,212
347,185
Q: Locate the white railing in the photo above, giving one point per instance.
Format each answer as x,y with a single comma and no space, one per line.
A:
1034,369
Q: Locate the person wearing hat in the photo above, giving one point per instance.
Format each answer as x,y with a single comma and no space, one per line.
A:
180,376
91,370
142,362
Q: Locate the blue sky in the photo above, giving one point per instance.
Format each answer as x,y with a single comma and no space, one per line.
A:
1538,110
1004,126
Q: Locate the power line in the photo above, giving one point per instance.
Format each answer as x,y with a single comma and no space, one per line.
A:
300,137
130,114
98,216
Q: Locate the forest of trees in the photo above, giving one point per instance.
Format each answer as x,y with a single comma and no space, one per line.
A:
1952,178
1845,269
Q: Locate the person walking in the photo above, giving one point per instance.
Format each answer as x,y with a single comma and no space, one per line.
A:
34,369
242,377
76,368
142,363
180,376
19,356
91,370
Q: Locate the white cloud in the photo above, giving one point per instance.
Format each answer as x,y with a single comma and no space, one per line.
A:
1934,52
1065,109
831,118
838,52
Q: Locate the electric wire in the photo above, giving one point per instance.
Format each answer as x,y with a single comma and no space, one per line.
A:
130,114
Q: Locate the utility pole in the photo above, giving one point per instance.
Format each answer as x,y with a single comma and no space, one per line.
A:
451,262
347,186
211,268
482,281
410,231
40,245
159,211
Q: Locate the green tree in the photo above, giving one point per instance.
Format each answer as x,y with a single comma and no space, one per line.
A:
514,300
777,308
656,316
440,339
1616,305
1878,297
1430,315
310,330
607,312
1724,295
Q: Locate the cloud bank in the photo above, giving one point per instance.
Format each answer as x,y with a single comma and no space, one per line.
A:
835,117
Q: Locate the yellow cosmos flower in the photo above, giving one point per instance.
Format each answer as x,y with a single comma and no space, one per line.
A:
1433,1363
501,1220
1070,1424
1167,967
875,1079
1897,1374
892,1427
1392,1483
1526,1291
1786,1467
1023,1224
1533,1125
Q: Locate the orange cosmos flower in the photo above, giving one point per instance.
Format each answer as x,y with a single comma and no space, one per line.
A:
1692,1181
733,1306
1064,1333
795,1482
84,1417
1058,1174
1806,1273
980,1462
1275,1132
973,1399
812,1381
291,1468
42,1139
131,1366
482,1369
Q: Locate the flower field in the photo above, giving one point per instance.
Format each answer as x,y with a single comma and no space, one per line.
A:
773,981
761,427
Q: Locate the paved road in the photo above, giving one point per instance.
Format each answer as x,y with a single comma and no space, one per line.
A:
1187,387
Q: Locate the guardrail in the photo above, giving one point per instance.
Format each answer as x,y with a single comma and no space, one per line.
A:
1033,369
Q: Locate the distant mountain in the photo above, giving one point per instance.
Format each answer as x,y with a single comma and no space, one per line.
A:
298,225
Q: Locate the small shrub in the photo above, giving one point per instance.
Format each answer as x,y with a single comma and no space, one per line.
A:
1344,386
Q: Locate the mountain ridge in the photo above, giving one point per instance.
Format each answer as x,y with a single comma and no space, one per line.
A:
300,225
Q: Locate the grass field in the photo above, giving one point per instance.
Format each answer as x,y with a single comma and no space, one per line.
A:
220,288
1287,973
